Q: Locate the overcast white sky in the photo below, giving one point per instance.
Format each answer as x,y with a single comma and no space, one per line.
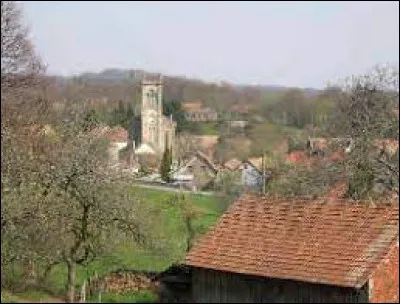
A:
295,44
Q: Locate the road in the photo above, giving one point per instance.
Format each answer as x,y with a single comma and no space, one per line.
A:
169,189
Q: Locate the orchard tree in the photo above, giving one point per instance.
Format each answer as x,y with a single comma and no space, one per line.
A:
367,112
60,204
20,65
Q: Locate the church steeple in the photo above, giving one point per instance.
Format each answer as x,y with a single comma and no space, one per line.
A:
157,130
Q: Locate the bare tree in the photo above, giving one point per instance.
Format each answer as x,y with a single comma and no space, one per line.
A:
184,145
71,210
20,76
59,203
365,112
19,63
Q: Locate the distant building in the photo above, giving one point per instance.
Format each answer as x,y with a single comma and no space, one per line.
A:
270,250
195,111
252,173
157,132
232,164
118,139
320,145
249,171
241,108
238,123
199,172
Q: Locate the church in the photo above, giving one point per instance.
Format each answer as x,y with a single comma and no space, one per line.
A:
157,132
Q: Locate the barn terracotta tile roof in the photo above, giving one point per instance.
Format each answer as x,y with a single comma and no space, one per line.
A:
326,241
338,190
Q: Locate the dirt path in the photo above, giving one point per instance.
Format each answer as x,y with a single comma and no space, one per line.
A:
170,189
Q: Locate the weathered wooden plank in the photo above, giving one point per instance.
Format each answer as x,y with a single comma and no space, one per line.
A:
223,287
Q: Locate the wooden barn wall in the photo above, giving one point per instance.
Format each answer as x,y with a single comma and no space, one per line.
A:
223,287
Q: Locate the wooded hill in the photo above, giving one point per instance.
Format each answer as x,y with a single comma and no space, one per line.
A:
120,84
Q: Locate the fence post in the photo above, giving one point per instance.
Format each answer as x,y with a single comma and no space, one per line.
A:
83,293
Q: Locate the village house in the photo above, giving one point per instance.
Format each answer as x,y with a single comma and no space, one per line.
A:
271,250
195,111
197,173
238,124
321,145
250,172
118,138
242,109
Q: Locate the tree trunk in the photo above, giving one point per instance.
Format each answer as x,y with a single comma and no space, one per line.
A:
71,282
46,273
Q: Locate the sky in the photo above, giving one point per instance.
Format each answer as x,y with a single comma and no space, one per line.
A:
304,44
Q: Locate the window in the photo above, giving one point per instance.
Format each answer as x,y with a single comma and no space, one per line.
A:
152,96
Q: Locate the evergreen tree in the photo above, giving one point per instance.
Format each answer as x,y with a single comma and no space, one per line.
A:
90,120
165,166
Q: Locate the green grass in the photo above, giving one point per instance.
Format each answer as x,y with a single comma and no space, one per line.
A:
34,295
209,128
130,256
6,298
202,128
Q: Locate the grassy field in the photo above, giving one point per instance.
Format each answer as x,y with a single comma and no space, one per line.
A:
127,297
202,128
7,298
130,256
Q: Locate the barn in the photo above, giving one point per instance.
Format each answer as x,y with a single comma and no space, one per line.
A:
271,250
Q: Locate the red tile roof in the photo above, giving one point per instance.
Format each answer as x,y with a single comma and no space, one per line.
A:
388,145
241,108
192,106
301,158
298,158
327,241
116,134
